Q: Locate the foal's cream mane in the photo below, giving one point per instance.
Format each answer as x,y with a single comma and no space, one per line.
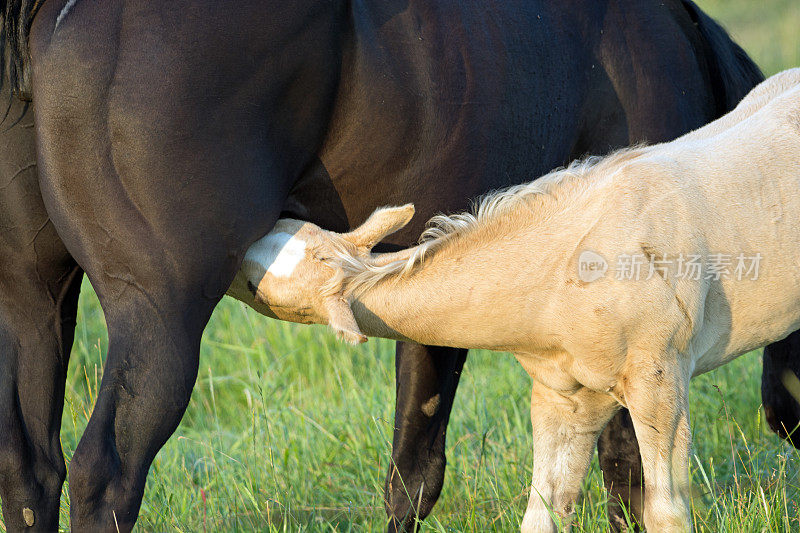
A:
359,274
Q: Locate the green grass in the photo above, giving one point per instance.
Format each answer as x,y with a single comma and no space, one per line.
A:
290,430
766,29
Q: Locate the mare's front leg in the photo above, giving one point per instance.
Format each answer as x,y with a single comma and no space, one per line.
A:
656,391
565,430
427,378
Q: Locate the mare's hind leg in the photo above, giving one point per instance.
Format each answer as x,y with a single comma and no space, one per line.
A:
37,322
39,288
154,339
565,430
427,378
780,387
158,279
157,187
157,295
618,454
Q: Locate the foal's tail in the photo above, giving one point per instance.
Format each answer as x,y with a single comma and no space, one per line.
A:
732,71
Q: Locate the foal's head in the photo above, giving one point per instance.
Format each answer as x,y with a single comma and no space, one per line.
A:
297,272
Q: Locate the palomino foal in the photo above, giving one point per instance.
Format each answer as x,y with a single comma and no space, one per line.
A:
613,281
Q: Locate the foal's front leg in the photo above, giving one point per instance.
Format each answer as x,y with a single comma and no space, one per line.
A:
565,430
657,396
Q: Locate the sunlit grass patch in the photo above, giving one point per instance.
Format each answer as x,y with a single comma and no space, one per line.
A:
289,430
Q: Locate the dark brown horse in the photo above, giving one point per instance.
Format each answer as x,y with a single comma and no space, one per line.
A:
171,135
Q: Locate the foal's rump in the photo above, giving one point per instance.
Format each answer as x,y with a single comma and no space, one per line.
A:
749,176
764,94
728,195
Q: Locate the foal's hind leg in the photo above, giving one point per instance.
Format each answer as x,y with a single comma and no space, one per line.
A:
39,286
780,387
565,429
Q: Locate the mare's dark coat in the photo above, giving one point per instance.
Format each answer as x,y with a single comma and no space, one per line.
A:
171,135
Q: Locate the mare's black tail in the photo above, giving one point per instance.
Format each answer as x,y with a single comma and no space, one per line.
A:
732,71
17,18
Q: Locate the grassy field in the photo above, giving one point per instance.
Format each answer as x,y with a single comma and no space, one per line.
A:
289,430
768,29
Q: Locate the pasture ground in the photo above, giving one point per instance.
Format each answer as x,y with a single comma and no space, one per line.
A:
290,430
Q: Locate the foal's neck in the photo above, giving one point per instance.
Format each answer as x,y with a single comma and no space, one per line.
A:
486,278
469,294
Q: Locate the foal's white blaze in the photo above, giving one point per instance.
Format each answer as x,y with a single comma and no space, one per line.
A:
69,5
277,253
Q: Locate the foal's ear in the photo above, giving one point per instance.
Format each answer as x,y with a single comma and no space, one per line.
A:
384,221
341,319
